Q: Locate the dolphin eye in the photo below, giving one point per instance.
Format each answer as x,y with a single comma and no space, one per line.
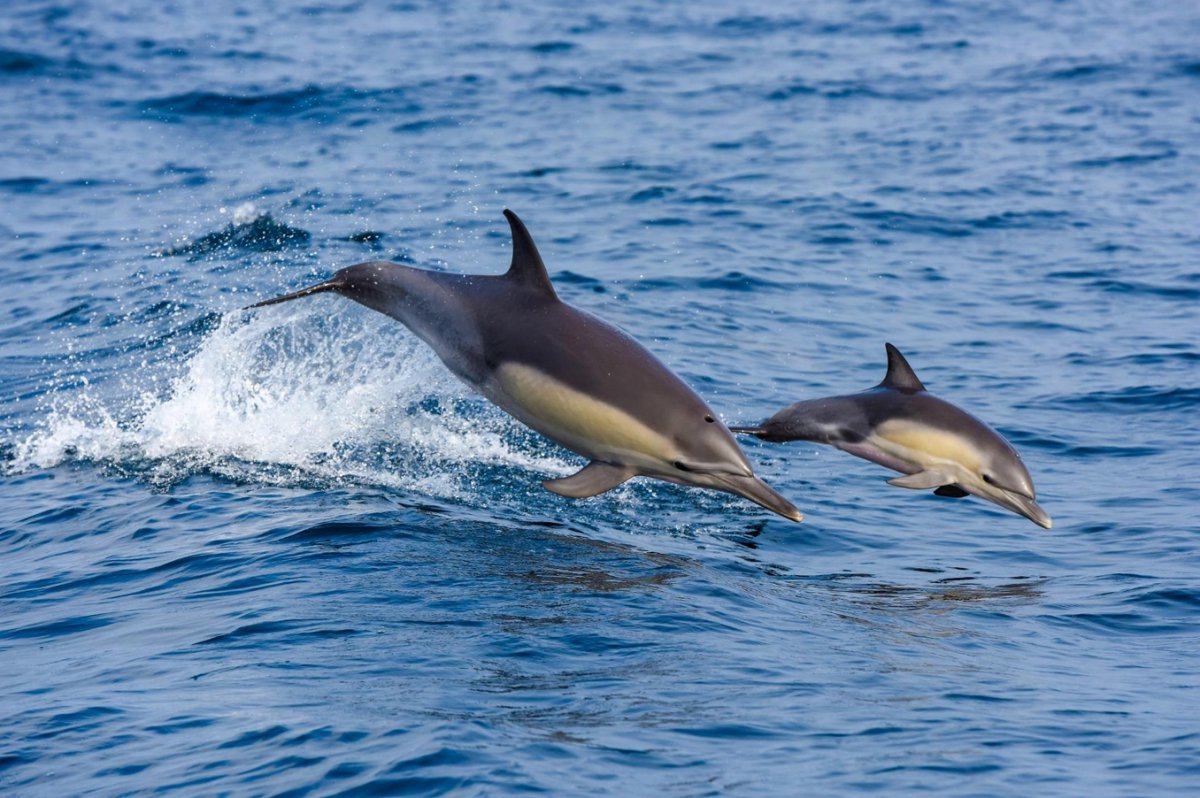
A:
989,479
682,466
710,419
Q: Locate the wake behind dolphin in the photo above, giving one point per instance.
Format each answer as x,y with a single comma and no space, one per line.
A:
570,376
900,425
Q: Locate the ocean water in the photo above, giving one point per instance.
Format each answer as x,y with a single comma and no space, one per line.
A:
286,553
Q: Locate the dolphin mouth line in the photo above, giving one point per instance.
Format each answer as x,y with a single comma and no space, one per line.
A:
748,430
759,492
1014,491
1024,505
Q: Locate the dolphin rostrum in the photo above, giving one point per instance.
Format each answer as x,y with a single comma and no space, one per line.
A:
901,426
577,380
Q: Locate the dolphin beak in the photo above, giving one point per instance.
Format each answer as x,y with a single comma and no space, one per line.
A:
1013,500
319,288
760,493
1030,509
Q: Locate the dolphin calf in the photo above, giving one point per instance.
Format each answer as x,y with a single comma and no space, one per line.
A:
901,426
577,380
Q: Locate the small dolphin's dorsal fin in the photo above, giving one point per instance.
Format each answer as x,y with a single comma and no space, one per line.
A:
900,375
527,267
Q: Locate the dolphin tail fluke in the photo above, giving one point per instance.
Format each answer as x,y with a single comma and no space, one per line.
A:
319,288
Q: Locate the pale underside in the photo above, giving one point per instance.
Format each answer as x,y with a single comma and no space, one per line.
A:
577,421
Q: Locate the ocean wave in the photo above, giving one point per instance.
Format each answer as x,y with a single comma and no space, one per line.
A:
24,63
581,89
250,230
1124,623
304,101
1134,399
1142,288
552,47
306,398
890,87
729,281
1062,69
947,226
1126,159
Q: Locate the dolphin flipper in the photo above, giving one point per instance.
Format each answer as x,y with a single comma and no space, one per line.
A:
594,479
929,478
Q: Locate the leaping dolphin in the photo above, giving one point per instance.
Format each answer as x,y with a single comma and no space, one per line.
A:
577,380
900,425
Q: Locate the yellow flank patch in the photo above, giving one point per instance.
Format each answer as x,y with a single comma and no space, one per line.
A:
578,421
925,446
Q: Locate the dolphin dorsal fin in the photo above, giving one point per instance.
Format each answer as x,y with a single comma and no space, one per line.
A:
900,376
527,267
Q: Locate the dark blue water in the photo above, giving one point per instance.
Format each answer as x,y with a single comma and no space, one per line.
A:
287,553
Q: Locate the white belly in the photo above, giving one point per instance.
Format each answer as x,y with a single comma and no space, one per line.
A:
925,447
577,421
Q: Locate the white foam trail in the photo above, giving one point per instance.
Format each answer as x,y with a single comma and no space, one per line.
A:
292,394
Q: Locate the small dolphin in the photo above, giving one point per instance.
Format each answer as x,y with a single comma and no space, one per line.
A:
901,426
577,380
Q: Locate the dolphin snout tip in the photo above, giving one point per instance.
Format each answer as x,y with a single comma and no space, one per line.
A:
764,495
1034,512
789,512
335,284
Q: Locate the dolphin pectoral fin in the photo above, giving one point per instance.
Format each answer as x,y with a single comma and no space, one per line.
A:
595,478
929,478
951,491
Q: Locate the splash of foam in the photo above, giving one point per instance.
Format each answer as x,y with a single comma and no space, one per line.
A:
291,397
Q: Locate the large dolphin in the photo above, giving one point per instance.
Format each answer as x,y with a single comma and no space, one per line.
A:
901,426
582,383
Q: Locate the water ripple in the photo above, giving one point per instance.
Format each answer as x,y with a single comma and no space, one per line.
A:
287,553
1133,399
260,233
312,101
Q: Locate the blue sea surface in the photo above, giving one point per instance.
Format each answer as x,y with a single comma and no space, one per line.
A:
287,553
